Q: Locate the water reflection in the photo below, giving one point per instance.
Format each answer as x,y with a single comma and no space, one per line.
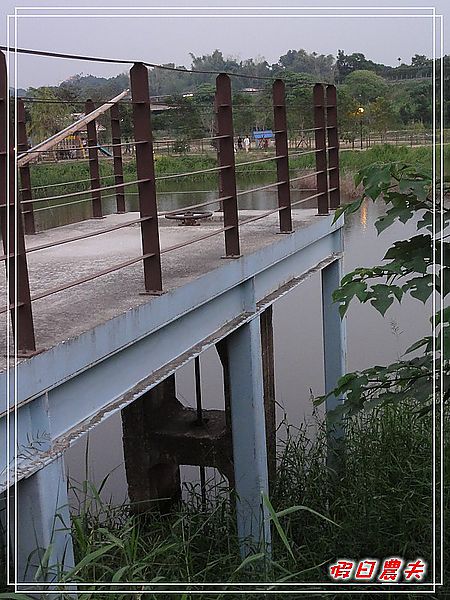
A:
170,195
363,215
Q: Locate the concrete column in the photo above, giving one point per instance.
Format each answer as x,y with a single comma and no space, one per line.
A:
153,478
249,435
43,521
334,340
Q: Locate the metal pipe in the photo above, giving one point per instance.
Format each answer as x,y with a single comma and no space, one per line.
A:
83,192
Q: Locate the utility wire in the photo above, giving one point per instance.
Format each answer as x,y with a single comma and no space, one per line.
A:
127,62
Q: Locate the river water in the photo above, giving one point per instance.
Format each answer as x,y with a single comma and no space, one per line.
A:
371,338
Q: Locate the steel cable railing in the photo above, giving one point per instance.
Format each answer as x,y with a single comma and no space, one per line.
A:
146,180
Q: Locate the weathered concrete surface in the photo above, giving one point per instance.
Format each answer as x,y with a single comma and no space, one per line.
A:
69,313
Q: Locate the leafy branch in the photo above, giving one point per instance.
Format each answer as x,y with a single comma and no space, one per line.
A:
414,267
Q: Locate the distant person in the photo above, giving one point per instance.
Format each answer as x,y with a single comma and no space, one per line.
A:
266,144
247,143
239,143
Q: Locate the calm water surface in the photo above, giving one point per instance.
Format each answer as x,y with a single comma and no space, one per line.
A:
372,339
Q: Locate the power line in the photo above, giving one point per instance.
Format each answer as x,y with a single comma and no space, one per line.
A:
127,62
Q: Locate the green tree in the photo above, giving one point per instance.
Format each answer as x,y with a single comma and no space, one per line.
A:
415,104
365,86
381,115
321,66
244,113
407,269
348,63
46,119
299,100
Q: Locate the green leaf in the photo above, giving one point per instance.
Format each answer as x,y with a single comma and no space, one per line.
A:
278,527
249,560
383,297
293,509
86,560
426,341
420,287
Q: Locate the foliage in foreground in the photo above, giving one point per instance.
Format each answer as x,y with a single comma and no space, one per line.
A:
416,267
379,506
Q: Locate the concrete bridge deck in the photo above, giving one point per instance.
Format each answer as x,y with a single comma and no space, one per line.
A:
105,346
79,309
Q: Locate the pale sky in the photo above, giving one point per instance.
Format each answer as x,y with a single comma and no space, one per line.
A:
141,31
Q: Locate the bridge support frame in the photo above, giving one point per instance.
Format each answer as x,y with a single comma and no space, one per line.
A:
334,351
249,436
152,482
44,522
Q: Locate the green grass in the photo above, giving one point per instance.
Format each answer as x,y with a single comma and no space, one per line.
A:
350,160
380,505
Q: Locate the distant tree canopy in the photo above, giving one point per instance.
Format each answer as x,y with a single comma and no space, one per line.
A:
391,96
299,61
46,119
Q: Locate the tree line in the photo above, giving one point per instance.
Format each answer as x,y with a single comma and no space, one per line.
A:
371,96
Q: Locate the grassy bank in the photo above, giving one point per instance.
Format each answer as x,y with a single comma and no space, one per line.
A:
379,506
350,160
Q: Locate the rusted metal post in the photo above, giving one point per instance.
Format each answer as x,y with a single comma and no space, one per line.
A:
117,160
281,150
333,147
225,159
94,170
321,152
145,168
269,391
24,171
12,233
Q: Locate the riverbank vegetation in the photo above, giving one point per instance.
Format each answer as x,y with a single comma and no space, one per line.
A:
350,161
380,505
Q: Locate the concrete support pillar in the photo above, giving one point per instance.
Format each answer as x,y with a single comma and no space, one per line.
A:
249,435
334,341
268,367
150,475
43,521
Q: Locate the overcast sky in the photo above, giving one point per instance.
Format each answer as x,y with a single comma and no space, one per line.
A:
167,35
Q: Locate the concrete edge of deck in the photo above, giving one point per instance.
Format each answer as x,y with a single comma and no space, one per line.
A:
52,367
